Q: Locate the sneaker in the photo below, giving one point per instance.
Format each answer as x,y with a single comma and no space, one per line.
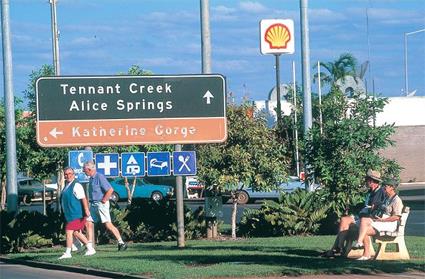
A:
90,252
363,258
358,246
65,256
122,247
74,248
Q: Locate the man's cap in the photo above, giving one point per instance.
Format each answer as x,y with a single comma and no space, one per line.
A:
390,182
375,175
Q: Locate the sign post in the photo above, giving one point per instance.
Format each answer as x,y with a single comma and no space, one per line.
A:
128,110
277,37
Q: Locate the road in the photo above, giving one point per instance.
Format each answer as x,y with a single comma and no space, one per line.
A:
17,271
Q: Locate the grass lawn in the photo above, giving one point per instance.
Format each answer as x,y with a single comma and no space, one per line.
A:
234,258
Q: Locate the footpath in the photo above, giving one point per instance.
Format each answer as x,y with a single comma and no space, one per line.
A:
105,274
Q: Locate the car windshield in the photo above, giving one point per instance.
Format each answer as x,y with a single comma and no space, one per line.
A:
30,183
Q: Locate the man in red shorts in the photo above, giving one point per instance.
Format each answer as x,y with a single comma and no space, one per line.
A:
76,210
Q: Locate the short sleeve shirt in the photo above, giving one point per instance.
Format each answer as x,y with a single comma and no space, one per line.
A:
394,206
98,186
78,190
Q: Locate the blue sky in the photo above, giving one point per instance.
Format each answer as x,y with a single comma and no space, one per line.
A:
106,37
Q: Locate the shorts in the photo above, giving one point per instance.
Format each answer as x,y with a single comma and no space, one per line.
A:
99,212
385,226
75,225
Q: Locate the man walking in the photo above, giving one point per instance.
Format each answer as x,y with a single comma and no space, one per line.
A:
100,190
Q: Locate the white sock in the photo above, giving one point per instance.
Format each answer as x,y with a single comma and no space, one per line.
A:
120,241
68,251
89,246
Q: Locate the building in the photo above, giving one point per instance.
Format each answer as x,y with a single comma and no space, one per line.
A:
408,116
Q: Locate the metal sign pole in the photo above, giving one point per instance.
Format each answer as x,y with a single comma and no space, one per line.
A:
278,106
179,204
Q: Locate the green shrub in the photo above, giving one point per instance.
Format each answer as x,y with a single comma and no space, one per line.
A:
30,229
157,221
297,213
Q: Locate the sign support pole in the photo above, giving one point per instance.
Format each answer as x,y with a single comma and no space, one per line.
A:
278,106
179,204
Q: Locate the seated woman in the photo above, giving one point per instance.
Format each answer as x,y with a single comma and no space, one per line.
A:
375,198
369,226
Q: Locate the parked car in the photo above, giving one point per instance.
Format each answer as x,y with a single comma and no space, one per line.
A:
144,190
31,190
249,195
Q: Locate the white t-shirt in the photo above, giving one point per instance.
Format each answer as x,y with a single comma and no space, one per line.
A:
78,190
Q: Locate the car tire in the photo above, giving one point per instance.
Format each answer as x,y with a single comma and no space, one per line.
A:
114,197
157,196
243,197
26,200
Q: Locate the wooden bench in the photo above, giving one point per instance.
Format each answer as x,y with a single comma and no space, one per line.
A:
382,239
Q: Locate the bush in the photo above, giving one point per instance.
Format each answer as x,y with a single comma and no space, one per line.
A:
297,213
30,229
149,221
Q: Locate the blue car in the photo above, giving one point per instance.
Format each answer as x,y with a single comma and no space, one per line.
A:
143,190
248,194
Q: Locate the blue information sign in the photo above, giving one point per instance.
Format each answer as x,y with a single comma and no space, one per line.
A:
76,160
107,164
158,163
184,163
133,164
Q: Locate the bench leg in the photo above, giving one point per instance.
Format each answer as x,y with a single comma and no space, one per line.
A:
354,254
400,254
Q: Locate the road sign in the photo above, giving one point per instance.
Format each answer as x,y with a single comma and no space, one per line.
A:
128,110
133,164
158,163
184,163
107,164
277,36
76,160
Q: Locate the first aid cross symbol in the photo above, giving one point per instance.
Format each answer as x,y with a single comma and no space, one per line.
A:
107,165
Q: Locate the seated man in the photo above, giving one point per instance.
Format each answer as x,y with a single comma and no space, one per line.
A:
387,221
375,197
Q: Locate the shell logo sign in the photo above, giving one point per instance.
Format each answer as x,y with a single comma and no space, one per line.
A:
277,36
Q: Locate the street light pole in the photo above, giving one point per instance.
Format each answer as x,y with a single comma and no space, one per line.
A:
406,78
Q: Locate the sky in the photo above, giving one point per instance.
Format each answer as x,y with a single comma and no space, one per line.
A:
107,37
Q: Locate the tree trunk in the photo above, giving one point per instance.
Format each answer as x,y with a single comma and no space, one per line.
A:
128,190
234,211
3,194
132,189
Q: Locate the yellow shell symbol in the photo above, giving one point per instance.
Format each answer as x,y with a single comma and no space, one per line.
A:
277,35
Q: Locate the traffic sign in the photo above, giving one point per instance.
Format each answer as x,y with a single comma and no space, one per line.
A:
107,164
128,110
184,163
76,160
133,164
158,163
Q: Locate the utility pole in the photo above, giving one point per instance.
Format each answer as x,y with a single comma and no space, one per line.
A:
55,37
11,162
305,56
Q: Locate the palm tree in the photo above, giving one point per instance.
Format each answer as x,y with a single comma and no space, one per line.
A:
343,66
